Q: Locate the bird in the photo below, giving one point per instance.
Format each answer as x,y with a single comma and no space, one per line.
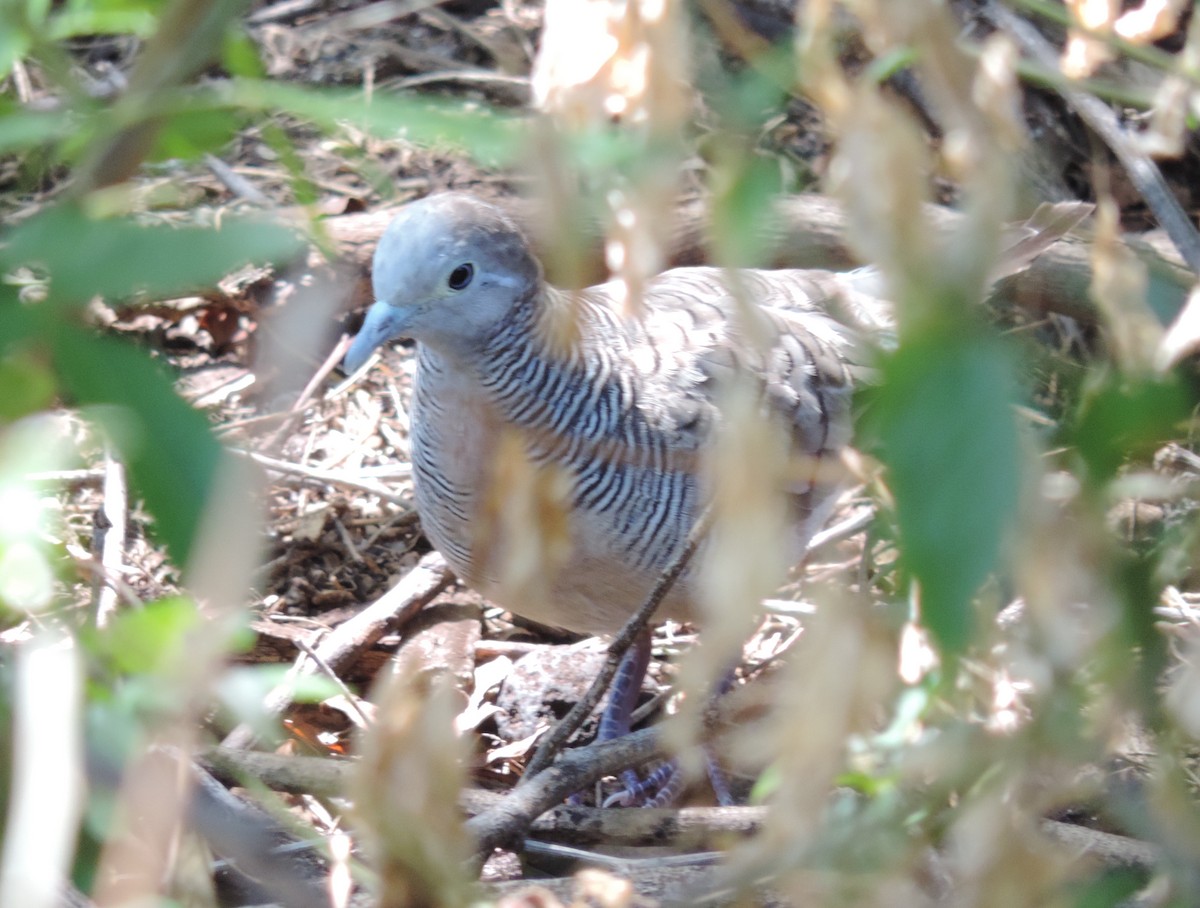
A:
623,406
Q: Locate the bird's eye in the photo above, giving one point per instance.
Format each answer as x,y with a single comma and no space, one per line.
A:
461,276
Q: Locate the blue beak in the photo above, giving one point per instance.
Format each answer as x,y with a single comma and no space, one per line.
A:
383,322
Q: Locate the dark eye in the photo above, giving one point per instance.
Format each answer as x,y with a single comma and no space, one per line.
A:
461,276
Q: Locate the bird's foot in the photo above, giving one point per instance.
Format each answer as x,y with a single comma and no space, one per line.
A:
665,783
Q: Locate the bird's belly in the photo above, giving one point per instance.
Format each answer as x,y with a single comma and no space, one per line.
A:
592,589
598,588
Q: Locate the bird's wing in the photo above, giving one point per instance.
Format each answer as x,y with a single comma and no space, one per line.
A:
696,331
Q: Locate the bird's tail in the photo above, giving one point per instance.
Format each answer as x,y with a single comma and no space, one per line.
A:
865,306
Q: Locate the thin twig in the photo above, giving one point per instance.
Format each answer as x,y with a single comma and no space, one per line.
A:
235,183
115,513
859,519
396,606
327,670
1143,172
1112,850
574,770
319,475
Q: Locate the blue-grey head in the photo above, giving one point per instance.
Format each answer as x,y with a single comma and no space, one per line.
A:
448,272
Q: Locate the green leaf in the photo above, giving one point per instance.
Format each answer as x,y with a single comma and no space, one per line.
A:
490,136
24,129
166,445
742,205
27,580
14,44
75,23
18,322
118,258
891,63
191,133
1112,887
240,56
149,640
1123,417
943,415
242,692
26,386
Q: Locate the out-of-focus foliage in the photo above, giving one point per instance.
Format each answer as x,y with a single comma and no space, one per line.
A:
167,444
956,481
950,733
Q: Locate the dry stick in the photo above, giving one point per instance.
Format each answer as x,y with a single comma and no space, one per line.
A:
325,778
298,408
394,607
510,820
554,742
87,475
1112,850
688,826
236,183
316,474
1143,172
859,519
115,511
244,833
809,231
285,10
352,699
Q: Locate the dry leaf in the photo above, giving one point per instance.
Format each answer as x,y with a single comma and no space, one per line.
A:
1083,53
1119,289
405,792
1152,20
1182,339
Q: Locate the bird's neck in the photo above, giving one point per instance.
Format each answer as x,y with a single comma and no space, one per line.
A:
546,328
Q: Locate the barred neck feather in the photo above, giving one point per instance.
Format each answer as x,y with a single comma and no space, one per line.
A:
568,393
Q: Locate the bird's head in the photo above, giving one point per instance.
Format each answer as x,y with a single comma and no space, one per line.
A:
448,271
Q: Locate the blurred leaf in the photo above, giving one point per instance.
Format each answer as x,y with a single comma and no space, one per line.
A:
191,133
245,689
490,136
303,189
17,321
1111,888
26,386
1137,582
864,783
118,257
28,558
741,208
745,100
1123,417
22,129
948,435
767,784
14,44
891,63
240,56
150,640
166,445
27,578
131,20
36,11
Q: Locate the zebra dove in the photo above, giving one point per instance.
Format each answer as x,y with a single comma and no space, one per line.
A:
626,405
